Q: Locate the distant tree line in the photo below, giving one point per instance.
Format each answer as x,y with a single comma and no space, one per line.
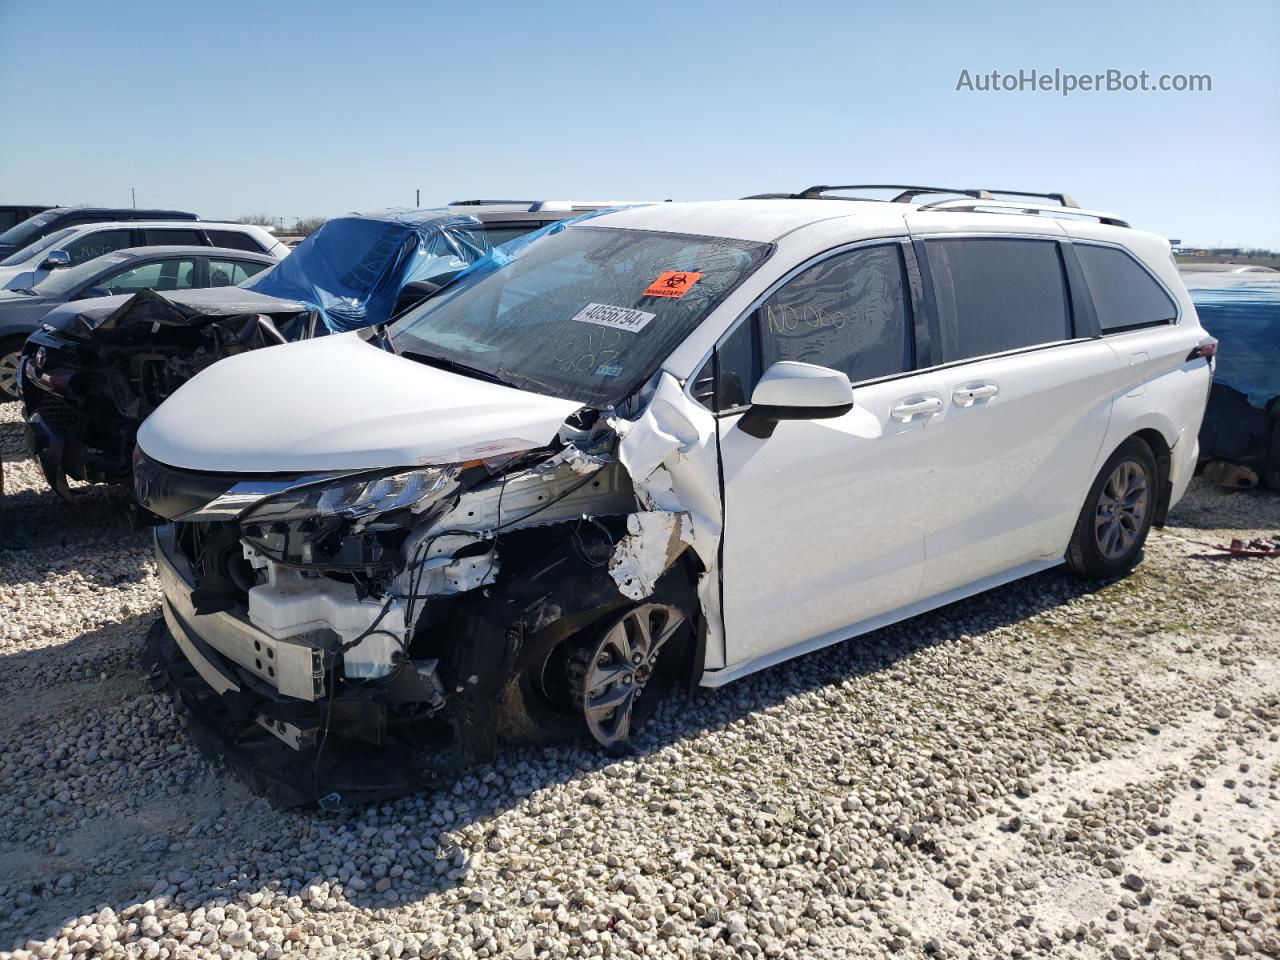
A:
302,226
1245,256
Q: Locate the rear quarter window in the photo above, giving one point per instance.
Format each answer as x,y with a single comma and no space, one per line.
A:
234,240
1125,295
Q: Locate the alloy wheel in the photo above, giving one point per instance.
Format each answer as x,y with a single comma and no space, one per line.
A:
1122,508
619,666
9,374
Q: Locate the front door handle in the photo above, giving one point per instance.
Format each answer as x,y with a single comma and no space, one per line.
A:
913,407
968,394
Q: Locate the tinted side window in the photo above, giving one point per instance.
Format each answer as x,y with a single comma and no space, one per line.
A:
995,295
1124,294
848,312
96,244
234,240
229,273
174,238
160,275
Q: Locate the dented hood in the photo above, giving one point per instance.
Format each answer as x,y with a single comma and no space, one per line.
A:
339,403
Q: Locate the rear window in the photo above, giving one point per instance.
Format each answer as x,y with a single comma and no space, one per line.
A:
995,295
234,240
1124,294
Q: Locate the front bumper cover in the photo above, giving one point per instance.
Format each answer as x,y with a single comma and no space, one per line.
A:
285,730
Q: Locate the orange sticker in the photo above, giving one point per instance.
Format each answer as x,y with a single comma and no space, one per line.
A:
672,284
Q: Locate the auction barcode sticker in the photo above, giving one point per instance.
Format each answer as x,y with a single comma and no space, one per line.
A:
620,318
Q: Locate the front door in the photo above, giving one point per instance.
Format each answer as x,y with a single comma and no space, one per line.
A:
823,522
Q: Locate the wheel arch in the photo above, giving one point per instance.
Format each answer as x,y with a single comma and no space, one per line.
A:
1160,434
1163,453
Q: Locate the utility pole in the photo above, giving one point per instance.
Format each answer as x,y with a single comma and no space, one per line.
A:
417,199
133,193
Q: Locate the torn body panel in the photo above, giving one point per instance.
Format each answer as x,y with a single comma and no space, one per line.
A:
671,454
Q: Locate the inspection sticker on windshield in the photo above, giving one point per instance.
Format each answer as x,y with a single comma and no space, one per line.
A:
672,284
620,318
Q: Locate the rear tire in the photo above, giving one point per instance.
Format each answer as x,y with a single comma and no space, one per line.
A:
1117,514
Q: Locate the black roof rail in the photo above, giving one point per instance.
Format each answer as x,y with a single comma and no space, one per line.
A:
908,192
486,203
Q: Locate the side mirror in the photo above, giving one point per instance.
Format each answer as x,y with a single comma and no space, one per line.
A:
91,293
55,259
790,390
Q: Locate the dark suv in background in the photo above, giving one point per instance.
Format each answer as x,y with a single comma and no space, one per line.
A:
12,214
55,218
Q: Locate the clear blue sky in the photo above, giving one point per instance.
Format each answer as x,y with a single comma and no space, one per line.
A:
319,108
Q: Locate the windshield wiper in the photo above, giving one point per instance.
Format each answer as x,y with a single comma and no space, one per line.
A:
27,290
453,366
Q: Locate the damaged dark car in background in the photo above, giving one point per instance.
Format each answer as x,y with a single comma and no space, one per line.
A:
95,369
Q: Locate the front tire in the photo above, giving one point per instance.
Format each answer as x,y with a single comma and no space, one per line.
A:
565,694
10,357
1117,514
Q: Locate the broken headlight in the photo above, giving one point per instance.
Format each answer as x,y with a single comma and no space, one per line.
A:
339,524
353,497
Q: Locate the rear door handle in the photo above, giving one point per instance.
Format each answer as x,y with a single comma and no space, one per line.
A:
912,407
968,394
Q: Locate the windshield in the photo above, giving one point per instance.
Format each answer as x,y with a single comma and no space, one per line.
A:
41,245
68,279
23,233
586,313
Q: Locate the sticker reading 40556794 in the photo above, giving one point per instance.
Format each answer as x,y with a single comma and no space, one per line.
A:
620,318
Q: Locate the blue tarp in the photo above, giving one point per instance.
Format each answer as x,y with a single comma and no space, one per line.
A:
1243,311
352,269
512,249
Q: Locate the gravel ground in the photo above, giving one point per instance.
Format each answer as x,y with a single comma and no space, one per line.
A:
1086,769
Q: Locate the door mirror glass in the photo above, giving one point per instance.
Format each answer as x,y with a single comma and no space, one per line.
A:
55,259
790,390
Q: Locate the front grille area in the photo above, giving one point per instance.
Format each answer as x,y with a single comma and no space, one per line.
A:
169,492
61,417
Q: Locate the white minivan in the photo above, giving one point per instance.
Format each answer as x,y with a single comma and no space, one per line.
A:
668,445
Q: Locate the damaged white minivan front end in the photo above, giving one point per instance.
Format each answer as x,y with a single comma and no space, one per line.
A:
376,564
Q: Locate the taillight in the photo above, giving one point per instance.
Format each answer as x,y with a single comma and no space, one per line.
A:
1205,348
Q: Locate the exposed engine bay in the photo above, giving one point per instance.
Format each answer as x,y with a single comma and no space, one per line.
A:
352,636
